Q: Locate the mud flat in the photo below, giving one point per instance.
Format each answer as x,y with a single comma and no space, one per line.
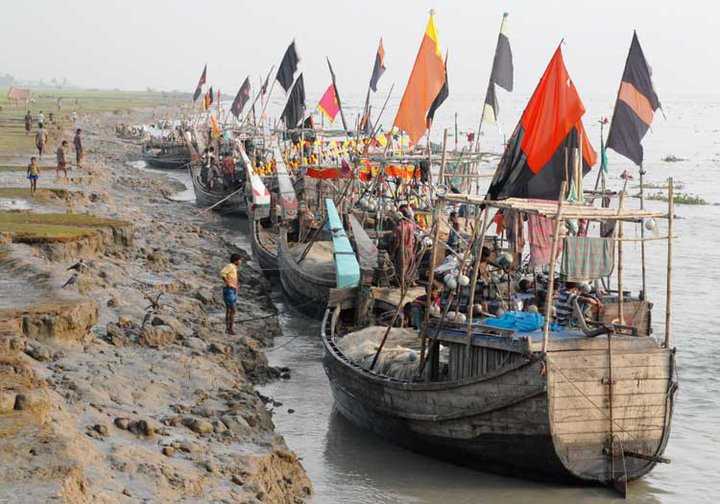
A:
122,386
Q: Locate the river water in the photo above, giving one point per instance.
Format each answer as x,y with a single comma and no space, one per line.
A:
349,465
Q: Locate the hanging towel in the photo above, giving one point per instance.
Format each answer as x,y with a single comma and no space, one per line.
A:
540,234
586,259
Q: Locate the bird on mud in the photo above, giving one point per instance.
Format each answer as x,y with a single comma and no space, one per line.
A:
78,266
71,281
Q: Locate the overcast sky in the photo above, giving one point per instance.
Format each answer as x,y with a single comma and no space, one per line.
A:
135,44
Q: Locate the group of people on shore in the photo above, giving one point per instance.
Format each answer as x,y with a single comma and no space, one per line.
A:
42,139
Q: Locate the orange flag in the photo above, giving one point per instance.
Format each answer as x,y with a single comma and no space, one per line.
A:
426,80
215,126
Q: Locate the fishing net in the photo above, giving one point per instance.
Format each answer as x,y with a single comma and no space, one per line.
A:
400,354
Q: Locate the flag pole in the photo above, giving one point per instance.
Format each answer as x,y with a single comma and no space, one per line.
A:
272,86
257,96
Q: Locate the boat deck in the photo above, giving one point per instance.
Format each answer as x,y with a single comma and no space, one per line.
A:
319,262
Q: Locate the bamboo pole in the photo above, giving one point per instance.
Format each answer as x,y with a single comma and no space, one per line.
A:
668,298
441,178
551,272
431,278
473,283
642,232
456,133
620,229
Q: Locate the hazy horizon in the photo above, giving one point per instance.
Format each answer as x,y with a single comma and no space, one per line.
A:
164,45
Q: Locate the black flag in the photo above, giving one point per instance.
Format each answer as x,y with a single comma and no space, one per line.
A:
288,67
635,106
242,97
501,75
295,107
337,95
440,98
198,89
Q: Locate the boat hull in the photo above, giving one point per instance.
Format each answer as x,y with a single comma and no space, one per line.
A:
235,204
266,258
505,422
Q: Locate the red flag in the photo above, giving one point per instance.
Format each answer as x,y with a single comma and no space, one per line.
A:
535,159
328,104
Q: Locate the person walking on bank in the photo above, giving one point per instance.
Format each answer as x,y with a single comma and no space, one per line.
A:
79,151
28,123
62,159
229,274
33,174
41,139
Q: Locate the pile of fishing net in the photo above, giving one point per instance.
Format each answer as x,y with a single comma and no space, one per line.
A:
400,355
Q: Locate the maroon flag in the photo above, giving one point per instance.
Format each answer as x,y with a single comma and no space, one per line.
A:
242,97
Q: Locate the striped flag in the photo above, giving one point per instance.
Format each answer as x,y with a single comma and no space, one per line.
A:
635,106
379,67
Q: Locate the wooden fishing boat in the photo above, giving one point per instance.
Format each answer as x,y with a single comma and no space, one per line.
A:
308,271
225,201
166,155
573,405
264,230
265,246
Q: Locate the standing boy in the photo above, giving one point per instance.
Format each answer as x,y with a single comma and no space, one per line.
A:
33,174
229,274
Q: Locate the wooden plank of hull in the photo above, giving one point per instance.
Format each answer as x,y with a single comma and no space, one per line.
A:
579,410
266,258
308,292
531,455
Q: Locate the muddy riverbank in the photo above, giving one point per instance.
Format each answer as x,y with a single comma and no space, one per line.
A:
122,386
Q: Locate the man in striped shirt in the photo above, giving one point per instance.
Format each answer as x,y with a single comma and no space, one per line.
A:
565,302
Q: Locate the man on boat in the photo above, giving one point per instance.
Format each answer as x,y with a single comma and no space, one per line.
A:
229,274
208,160
228,168
405,246
565,302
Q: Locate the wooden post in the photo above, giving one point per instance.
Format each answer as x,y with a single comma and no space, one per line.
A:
642,233
551,273
473,282
620,226
441,178
668,298
431,278
456,133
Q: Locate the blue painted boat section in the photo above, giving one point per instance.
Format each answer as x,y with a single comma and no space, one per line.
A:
347,268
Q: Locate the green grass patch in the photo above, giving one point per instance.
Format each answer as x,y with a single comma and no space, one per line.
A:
652,185
28,227
42,194
679,199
